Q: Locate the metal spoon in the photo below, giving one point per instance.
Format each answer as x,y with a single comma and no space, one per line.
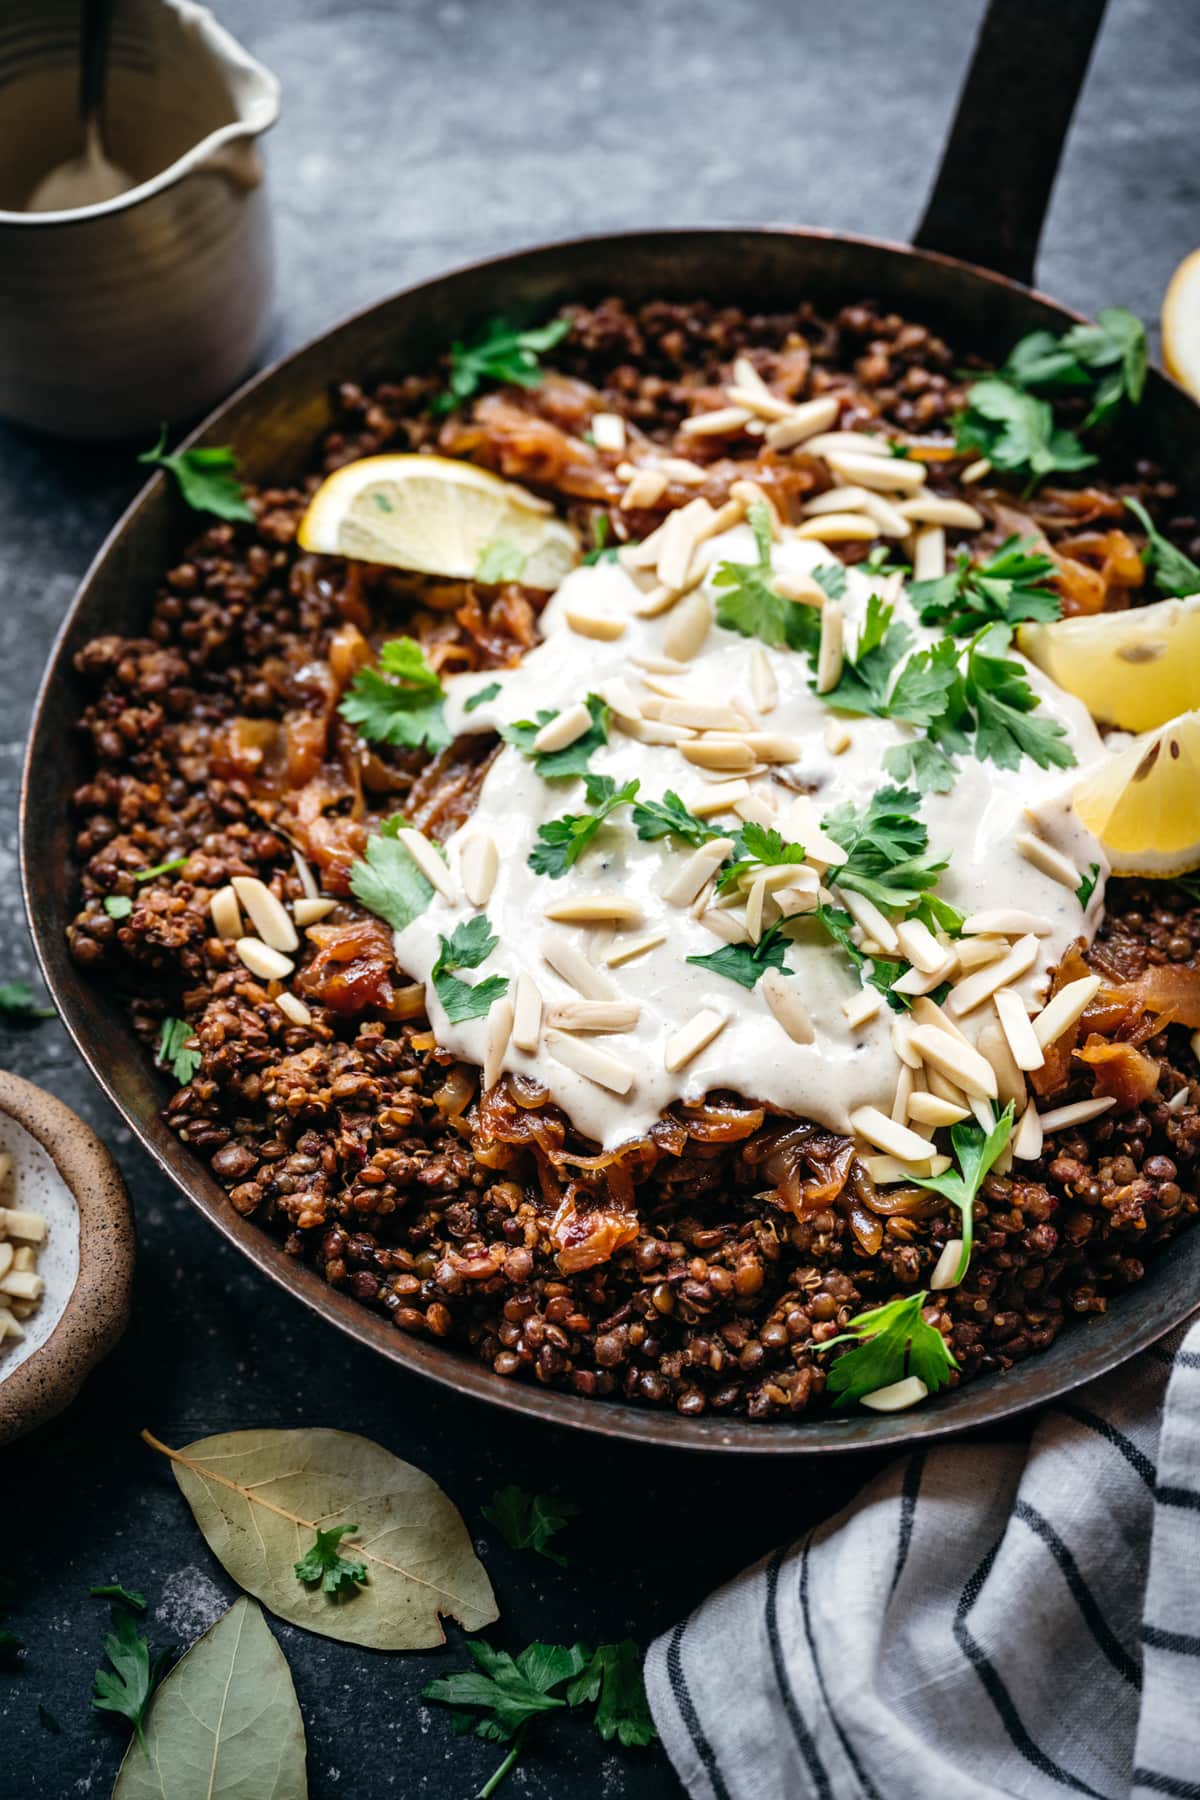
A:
88,179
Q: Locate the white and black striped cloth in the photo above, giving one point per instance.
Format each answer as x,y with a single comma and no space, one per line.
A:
985,1620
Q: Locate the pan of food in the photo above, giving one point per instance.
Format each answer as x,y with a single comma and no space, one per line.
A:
619,821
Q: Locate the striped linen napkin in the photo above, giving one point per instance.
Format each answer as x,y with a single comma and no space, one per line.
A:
985,1620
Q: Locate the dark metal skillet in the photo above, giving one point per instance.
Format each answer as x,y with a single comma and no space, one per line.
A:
987,206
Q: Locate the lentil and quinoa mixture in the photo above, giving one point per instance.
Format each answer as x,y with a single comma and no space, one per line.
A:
709,1263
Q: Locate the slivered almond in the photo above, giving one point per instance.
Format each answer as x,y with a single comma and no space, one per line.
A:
308,880
653,731
1007,921
730,753
897,1396
755,901
689,880
19,1222
293,1008
701,715
981,984
22,1284
1078,1113
783,997
1050,861
527,1013
920,946
903,1094
681,534
721,797
747,376
803,421
608,431
563,729
763,406
922,981
718,423
887,1170
1064,1009
837,737
861,1008
930,1109
958,1062
773,746
261,960
757,806
642,555
929,553
684,1045
311,912
973,953
1027,1138
626,949
763,686
835,499
750,494
594,1015
496,1039
724,925
428,861
619,696
830,654
645,488
975,471
1010,1081
681,469
945,1270
688,627
886,1134
936,509
887,474
594,909
864,912
225,913
928,1012
479,864
898,1031
941,1089
853,443
590,1061
606,628
838,528
1027,1052
267,913
800,588
888,521
575,969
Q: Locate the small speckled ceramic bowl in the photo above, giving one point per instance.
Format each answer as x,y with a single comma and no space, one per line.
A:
65,1173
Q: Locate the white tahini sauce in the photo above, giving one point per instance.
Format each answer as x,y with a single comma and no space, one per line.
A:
974,826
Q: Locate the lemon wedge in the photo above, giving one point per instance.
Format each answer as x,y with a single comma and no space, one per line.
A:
1181,324
437,516
1144,803
1135,669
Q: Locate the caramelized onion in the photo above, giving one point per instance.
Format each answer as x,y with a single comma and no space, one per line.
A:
1120,1070
585,1239
721,1124
454,1096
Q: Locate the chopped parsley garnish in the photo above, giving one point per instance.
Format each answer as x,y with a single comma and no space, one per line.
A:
879,972
499,354
561,842
748,603
1087,885
1016,431
324,1562
1111,354
403,704
528,1521
1008,587
890,1341
466,947
832,577
388,882
976,1151
744,963
126,1687
500,561
482,697
887,849
118,906
757,847
878,561
558,765
207,478
918,694
18,1004
113,1590
1174,573
669,817
936,913
172,1051
601,550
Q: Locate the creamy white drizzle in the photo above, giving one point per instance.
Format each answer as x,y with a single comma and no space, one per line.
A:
974,826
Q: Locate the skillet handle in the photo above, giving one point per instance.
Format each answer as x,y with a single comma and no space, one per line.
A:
998,168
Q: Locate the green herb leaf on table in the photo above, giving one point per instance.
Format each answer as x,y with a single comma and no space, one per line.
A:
559,765
18,1004
528,1521
467,947
748,603
890,1341
207,478
173,1053
1016,431
113,1590
388,882
757,847
669,817
252,1491
500,561
482,697
613,1679
499,355
324,1562
976,1150
745,963
1008,587
126,1687
1174,573
225,1721
561,842
1087,885
400,702
118,906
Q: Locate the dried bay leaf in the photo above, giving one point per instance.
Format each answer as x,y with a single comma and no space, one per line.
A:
259,1496
224,1725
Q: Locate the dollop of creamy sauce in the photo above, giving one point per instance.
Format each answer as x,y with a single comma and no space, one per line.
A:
974,827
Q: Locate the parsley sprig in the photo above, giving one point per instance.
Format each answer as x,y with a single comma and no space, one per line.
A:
467,946
745,963
976,1151
498,354
755,848
528,1521
1008,586
323,1562
669,817
888,859
126,1686
749,604
1109,356
207,478
1174,573
18,1005
403,704
173,1053
1016,431
561,842
559,765
890,1342
865,686
387,881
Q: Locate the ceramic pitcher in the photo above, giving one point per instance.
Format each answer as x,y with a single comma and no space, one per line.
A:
147,308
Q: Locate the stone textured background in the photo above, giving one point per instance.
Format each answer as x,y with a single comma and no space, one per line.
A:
416,136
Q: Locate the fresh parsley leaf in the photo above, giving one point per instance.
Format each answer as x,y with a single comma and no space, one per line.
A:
403,704
887,849
114,1591
528,1521
935,913
207,478
976,1151
744,963
921,762
890,1342
172,1051
503,1696
118,906
878,561
162,868
388,882
749,604
1111,353
558,765
482,697
561,842
499,354
613,1679
1008,587
1016,431
601,550
324,1562
878,972
1174,573
1087,885
996,689
832,577
866,674
669,817
18,1004
126,1687
500,561
467,947
757,847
